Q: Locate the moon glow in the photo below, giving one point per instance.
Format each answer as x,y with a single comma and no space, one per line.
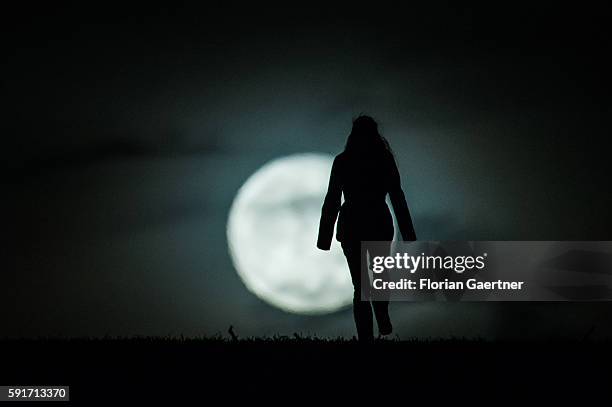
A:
272,232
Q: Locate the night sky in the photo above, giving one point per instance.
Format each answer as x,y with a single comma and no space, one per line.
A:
127,134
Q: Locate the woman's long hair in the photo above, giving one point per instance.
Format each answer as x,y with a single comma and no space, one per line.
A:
365,140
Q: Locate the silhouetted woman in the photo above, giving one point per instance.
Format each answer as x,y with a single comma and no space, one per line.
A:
365,172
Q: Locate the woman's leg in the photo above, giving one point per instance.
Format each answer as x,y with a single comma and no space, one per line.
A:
362,310
381,305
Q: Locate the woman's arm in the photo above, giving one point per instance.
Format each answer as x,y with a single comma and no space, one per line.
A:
400,207
331,206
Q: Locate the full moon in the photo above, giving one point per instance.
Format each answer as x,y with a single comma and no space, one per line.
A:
272,233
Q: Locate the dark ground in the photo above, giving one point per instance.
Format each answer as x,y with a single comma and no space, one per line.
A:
99,370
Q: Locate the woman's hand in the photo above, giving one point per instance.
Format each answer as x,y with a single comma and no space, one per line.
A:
321,246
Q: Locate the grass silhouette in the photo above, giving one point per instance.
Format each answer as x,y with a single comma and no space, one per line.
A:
153,367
